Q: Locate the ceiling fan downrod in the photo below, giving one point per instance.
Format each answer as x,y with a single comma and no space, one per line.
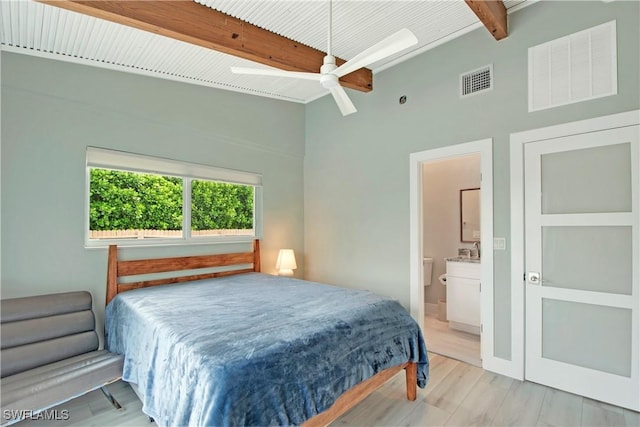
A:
330,24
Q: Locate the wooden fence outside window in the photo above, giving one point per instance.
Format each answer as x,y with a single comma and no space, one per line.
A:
158,234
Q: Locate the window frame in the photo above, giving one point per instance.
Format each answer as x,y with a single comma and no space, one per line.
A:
101,158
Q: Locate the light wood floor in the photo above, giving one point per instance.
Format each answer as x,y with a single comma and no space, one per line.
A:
448,342
458,394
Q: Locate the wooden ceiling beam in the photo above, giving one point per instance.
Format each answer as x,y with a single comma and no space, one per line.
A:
197,24
493,15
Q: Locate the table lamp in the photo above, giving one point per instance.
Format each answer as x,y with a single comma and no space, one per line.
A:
286,262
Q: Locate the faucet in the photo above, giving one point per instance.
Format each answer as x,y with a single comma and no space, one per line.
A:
476,245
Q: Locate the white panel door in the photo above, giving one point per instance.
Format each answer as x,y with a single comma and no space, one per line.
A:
582,232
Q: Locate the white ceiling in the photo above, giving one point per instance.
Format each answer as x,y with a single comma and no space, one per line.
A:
34,28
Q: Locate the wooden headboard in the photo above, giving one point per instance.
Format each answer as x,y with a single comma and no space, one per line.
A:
117,269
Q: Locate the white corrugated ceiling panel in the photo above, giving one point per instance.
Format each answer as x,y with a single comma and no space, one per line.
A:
356,24
35,28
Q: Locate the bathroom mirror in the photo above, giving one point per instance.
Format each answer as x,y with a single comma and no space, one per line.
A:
470,215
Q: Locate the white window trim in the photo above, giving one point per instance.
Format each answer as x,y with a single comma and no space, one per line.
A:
130,162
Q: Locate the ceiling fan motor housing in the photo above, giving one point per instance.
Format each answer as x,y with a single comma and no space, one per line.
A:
327,79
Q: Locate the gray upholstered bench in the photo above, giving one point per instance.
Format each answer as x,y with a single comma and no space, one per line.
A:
49,353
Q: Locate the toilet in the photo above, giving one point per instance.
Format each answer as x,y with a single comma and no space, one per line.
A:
427,264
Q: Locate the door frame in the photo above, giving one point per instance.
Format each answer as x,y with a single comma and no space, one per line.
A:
484,148
517,142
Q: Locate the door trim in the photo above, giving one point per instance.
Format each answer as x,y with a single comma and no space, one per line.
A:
517,141
416,297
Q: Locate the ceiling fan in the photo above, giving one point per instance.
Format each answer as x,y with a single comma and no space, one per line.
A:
330,73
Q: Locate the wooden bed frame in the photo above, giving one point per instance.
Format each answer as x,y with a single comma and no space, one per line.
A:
117,269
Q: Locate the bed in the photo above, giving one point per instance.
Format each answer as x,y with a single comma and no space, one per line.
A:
240,347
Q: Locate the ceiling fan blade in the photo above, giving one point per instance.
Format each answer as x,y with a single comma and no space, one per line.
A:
275,73
342,99
387,47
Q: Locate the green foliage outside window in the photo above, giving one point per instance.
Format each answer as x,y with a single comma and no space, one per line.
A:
221,206
135,201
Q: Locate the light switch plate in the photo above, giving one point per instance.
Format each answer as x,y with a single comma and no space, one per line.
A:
499,243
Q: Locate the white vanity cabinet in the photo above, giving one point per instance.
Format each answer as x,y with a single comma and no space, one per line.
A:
463,296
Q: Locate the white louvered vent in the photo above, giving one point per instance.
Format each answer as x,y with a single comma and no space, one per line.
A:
476,81
574,68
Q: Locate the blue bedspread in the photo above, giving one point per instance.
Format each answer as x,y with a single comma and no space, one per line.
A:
255,349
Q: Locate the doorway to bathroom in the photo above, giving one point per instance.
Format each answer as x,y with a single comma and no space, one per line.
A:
452,256
452,249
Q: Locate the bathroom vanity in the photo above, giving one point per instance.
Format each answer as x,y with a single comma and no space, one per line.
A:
463,294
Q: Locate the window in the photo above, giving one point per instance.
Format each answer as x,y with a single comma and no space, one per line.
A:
136,200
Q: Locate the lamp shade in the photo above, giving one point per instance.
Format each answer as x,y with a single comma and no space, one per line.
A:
286,262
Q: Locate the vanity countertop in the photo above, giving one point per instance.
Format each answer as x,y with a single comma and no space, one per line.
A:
463,259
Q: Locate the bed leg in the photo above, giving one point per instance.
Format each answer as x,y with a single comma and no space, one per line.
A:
411,371
109,396
112,273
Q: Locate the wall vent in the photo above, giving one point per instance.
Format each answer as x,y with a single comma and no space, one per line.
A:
574,68
476,81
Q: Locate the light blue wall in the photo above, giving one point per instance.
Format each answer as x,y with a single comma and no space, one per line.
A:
357,167
52,110
354,229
